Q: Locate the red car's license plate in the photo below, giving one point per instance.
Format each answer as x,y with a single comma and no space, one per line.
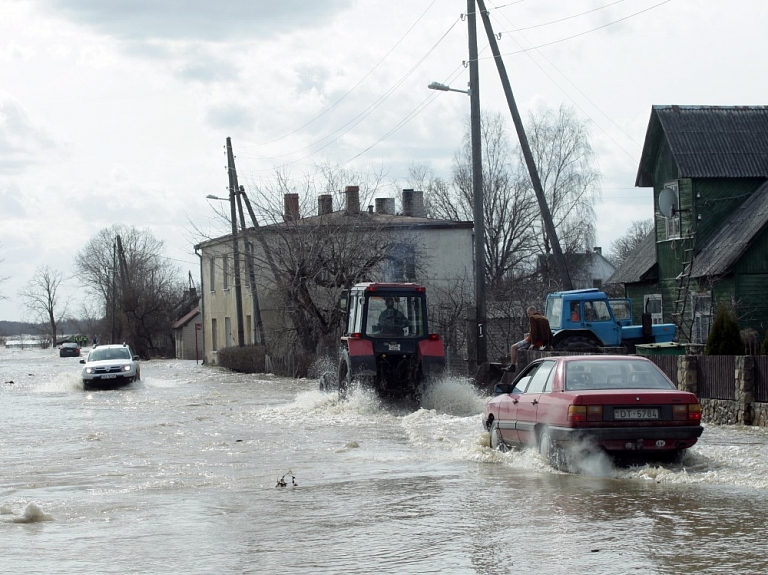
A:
636,413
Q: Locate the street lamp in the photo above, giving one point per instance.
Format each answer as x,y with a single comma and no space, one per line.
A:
444,88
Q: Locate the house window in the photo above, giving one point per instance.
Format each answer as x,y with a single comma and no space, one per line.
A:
214,336
212,274
701,314
652,304
673,227
225,273
404,263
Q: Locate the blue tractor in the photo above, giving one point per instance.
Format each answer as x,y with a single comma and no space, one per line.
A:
587,320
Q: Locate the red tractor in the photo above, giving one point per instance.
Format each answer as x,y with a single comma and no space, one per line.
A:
386,343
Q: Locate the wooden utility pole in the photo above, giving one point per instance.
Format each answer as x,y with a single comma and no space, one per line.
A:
233,189
546,215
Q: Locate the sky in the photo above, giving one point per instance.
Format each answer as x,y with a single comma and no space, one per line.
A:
118,111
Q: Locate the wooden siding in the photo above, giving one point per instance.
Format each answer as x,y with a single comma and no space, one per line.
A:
751,294
715,200
761,378
667,364
716,376
755,261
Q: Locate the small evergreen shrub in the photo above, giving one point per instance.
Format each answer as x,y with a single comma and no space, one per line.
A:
724,337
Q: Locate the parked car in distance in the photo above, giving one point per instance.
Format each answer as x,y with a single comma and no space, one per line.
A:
69,349
110,366
623,405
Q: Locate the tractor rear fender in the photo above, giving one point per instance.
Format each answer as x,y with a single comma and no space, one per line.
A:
432,347
359,356
432,356
566,333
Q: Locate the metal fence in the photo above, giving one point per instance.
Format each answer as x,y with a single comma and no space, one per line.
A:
716,376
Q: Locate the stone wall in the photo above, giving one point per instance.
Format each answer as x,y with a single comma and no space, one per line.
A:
743,410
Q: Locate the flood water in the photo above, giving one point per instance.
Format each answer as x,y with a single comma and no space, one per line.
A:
178,473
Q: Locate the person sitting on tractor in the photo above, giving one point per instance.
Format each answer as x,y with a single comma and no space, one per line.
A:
539,336
391,320
575,312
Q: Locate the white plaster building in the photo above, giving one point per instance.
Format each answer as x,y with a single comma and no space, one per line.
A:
437,254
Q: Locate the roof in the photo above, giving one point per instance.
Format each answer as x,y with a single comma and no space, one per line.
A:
734,236
638,263
186,318
707,142
364,220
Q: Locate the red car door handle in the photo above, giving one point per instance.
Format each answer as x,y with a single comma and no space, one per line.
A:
514,400
535,402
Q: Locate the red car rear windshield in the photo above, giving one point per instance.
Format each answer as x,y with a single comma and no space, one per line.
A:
612,374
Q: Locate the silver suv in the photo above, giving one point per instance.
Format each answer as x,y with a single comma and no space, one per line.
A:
110,366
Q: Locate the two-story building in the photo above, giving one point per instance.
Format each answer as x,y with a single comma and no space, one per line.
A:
435,253
708,166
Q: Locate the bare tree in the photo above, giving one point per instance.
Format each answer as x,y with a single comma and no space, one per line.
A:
626,244
509,203
139,284
564,159
310,261
41,296
515,233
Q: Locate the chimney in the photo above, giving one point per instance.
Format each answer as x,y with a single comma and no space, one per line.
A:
370,209
385,206
353,199
291,207
598,250
413,204
324,204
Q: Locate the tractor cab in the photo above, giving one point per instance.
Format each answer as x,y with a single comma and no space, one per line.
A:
387,311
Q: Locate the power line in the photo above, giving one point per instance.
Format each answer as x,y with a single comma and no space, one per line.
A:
353,88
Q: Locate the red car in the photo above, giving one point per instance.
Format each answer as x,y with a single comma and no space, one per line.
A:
624,405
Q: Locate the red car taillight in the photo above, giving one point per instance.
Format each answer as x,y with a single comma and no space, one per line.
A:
577,413
686,412
581,413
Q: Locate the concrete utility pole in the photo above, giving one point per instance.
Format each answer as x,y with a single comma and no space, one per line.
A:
257,323
233,189
549,225
478,211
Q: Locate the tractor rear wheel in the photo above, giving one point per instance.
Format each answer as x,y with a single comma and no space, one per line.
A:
344,380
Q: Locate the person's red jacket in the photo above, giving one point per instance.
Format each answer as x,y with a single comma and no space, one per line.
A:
540,334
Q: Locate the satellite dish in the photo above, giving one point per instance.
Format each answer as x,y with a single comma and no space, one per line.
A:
668,202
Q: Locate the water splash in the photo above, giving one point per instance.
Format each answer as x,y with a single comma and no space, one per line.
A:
33,513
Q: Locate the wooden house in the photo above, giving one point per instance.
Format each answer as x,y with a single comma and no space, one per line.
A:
708,166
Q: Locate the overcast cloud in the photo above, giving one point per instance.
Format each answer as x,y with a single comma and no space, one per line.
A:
118,111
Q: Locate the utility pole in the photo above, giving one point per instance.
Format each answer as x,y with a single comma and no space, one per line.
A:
478,211
546,215
257,323
113,335
233,189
